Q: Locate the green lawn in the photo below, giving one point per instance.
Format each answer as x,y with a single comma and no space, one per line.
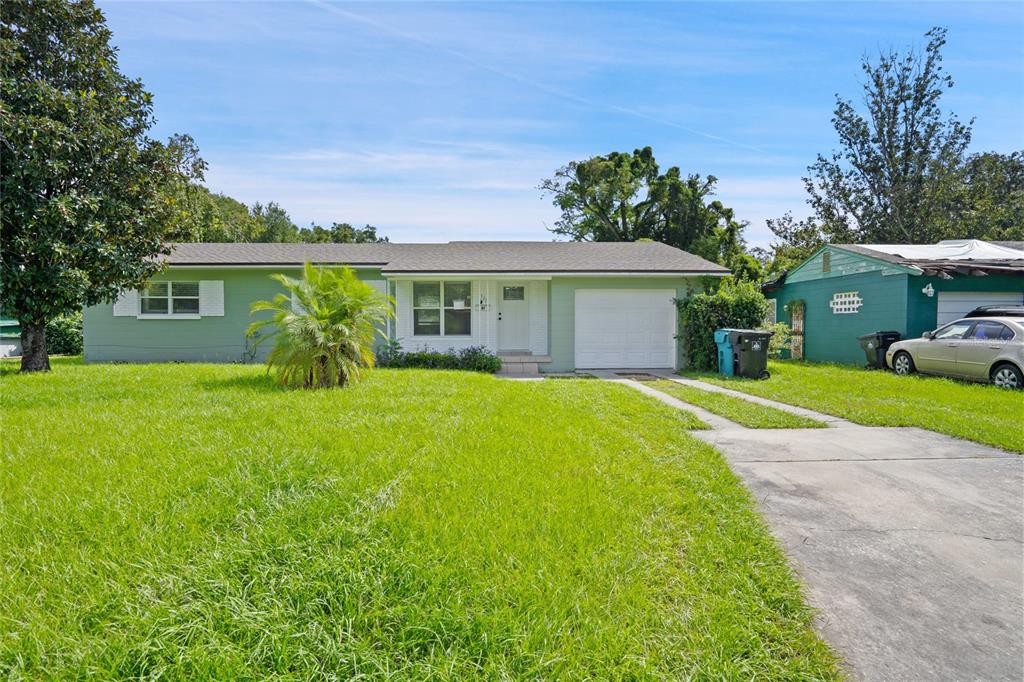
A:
977,412
737,409
193,521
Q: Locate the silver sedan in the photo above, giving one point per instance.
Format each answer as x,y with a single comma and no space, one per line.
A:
987,349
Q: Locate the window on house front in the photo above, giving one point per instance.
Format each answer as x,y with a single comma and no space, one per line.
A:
441,309
513,293
826,262
170,298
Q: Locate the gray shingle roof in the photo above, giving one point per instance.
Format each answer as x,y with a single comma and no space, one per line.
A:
608,257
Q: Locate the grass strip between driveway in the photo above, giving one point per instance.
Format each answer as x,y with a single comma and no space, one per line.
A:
978,412
736,409
195,521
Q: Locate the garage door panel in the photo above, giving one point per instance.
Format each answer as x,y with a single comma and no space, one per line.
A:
952,305
625,329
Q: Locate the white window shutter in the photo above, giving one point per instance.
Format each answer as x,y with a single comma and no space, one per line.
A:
211,298
127,304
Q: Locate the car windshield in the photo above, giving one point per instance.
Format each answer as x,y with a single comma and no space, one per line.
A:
954,331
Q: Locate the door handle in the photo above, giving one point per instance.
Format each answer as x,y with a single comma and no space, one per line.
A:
499,317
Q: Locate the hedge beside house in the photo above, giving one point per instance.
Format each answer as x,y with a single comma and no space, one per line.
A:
739,305
473,359
64,335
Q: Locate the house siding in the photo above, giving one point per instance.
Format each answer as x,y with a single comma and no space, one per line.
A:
110,338
562,303
841,264
922,313
891,302
831,337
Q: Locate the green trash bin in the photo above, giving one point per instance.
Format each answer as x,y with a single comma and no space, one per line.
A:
750,348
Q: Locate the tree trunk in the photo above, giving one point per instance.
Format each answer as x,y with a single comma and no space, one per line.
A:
33,347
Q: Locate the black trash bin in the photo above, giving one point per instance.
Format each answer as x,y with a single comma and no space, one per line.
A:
750,350
875,344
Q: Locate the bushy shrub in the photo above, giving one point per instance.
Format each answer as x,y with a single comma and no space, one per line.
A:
780,341
473,359
64,335
323,328
739,305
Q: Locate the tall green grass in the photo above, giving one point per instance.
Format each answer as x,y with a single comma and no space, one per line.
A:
977,412
739,410
194,521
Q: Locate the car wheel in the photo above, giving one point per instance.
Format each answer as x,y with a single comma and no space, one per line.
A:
903,364
1007,376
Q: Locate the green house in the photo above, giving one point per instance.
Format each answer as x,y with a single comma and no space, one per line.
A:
541,306
845,290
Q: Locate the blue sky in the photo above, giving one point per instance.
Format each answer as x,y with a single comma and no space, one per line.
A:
437,121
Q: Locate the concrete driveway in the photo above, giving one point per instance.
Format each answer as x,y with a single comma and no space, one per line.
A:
909,542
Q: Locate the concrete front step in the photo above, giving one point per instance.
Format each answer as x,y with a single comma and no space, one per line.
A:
519,368
522,364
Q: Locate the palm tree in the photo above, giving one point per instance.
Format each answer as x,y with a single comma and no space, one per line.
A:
323,328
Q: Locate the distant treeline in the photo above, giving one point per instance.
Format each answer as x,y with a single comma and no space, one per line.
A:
206,216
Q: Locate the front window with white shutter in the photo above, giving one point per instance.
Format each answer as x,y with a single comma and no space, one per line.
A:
184,300
170,298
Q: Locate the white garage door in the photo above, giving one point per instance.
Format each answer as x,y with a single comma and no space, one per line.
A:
955,304
628,329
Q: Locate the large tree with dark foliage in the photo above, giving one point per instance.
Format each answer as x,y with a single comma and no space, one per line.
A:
902,173
87,198
990,203
900,162
626,197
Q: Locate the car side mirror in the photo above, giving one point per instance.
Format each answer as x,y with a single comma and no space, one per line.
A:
928,335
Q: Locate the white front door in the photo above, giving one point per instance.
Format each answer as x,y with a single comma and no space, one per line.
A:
513,317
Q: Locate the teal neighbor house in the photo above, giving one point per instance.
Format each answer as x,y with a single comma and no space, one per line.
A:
845,290
556,306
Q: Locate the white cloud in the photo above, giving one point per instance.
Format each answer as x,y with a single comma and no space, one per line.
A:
402,212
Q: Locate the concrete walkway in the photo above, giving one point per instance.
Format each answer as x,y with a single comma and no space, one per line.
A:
909,542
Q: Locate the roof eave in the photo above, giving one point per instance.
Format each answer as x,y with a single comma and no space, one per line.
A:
561,273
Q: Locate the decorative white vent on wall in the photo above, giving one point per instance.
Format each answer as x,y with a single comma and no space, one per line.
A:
845,302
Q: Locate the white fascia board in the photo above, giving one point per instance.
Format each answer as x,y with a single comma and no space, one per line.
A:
542,276
278,266
463,275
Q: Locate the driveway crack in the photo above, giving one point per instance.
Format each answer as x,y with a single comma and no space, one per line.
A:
902,530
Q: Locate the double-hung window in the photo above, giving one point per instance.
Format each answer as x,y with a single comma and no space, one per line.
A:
441,309
170,298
